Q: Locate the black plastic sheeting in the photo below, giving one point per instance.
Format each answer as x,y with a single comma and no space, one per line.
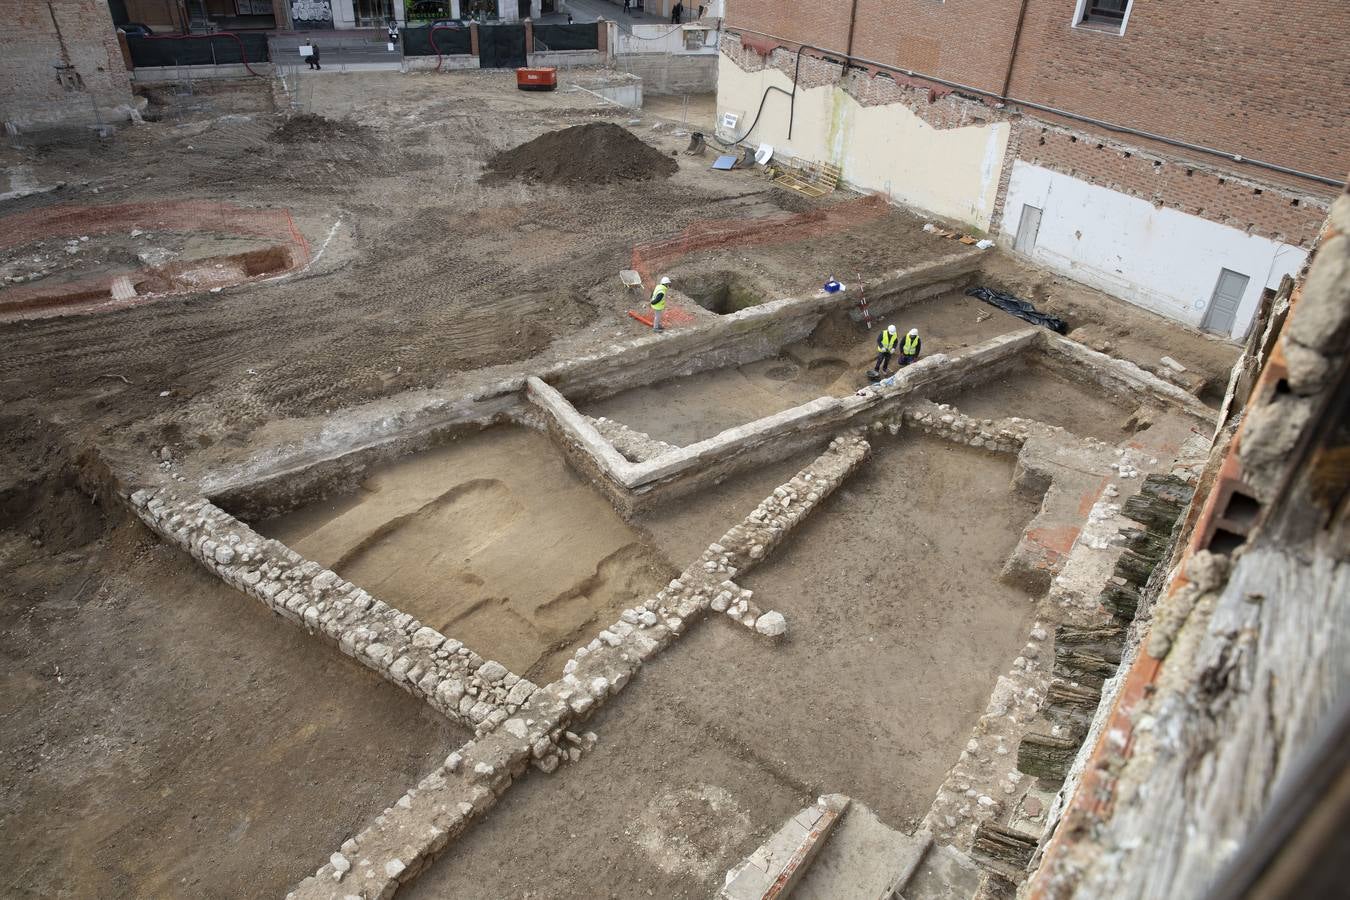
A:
198,50
567,37
450,41
1018,307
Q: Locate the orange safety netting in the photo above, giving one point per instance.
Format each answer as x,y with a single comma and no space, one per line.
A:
658,256
171,215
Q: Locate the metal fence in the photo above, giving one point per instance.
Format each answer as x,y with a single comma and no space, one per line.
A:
442,41
581,36
198,49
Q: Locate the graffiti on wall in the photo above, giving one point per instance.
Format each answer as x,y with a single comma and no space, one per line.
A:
311,10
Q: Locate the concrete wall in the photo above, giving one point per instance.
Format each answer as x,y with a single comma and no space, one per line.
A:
1159,258
58,61
950,172
668,73
665,39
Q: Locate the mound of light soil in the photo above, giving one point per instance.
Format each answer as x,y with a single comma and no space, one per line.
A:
594,153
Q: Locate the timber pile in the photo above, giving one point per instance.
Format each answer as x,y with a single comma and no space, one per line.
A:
1086,657
1161,501
1003,850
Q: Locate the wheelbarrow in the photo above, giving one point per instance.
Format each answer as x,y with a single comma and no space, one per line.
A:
633,281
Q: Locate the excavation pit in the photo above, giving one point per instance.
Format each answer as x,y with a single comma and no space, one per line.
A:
722,292
83,259
1034,390
683,411
491,539
900,627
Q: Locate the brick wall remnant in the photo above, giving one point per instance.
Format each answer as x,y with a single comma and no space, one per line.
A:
1246,88
60,62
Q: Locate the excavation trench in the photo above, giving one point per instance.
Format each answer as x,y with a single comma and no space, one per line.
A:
490,539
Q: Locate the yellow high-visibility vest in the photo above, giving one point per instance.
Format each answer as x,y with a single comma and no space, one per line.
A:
911,345
659,297
886,342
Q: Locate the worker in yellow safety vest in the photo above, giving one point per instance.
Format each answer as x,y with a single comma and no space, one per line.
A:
659,302
887,341
909,351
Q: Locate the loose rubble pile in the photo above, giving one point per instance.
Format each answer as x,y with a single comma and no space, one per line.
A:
636,446
451,677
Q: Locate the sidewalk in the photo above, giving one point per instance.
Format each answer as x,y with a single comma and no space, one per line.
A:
591,10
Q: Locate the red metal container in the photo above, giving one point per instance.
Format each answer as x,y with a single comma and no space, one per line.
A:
539,78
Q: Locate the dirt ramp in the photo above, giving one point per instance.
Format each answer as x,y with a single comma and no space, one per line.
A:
594,153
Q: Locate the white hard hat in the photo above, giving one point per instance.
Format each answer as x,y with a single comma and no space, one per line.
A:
914,331
665,279
891,329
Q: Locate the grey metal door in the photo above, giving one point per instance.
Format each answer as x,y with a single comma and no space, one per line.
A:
1223,306
1027,229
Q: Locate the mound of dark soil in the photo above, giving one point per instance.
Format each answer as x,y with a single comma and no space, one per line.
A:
307,128
594,153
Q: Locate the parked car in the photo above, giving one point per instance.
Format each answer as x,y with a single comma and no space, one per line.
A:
136,29
447,23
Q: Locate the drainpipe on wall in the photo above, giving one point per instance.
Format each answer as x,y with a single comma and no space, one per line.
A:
853,21
1012,54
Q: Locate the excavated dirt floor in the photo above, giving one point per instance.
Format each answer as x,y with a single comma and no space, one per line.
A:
896,638
682,411
165,736
161,735
492,539
1033,391
831,362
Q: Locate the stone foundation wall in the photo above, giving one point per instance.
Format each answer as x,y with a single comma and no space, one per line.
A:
469,690
1120,378
336,459
407,836
742,337
633,445
633,487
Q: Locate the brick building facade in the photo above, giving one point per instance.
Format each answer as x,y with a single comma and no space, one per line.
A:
1249,78
1226,88
60,62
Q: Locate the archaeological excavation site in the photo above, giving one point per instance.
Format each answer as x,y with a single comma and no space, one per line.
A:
362,535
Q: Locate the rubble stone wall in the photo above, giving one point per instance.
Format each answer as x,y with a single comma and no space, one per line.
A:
633,487
407,836
467,689
336,458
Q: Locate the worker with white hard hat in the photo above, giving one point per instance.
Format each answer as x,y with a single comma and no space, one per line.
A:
659,302
887,341
909,350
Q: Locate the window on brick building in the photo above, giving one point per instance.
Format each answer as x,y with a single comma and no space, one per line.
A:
1109,14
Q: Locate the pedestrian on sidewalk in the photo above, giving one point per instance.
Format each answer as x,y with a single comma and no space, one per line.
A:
628,7
659,302
677,14
312,57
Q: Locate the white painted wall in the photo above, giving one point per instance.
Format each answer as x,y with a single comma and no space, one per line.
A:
952,173
663,39
1158,258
